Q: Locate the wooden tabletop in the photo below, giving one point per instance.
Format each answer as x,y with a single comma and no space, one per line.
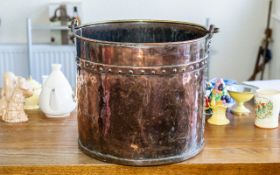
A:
49,146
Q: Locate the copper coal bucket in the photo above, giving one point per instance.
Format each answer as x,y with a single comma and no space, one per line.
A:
140,90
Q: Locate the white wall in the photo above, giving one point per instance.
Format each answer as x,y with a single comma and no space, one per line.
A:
275,63
241,22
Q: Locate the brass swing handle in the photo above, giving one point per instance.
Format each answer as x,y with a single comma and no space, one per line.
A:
212,30
74,24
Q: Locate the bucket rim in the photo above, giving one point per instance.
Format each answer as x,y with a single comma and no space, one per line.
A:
104,42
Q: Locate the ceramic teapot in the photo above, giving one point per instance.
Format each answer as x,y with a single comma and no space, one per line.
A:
57,97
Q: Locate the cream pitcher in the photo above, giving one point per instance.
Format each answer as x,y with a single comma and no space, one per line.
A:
267,106
57,98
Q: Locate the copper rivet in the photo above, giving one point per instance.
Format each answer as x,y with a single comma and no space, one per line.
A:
142,71
109,70
184,69
163,71
175,70
153,72
130,71
101,69
120,71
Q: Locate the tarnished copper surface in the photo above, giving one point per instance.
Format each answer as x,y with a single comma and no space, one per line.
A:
140,97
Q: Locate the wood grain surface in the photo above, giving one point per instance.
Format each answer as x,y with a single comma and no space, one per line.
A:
49,146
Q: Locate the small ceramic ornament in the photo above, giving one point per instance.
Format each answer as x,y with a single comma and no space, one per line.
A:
13,95
57,97
32,103
209,88
217,102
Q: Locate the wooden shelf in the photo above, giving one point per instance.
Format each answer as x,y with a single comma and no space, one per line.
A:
49,146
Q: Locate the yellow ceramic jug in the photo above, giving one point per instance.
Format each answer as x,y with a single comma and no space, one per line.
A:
32,102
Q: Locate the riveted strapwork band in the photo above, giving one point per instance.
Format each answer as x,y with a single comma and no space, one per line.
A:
152,70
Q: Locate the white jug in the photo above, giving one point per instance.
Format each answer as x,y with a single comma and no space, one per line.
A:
57,98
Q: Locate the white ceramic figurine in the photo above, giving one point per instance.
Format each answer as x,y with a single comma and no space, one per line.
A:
13,95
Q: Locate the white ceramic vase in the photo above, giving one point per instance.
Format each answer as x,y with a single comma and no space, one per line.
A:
57,98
